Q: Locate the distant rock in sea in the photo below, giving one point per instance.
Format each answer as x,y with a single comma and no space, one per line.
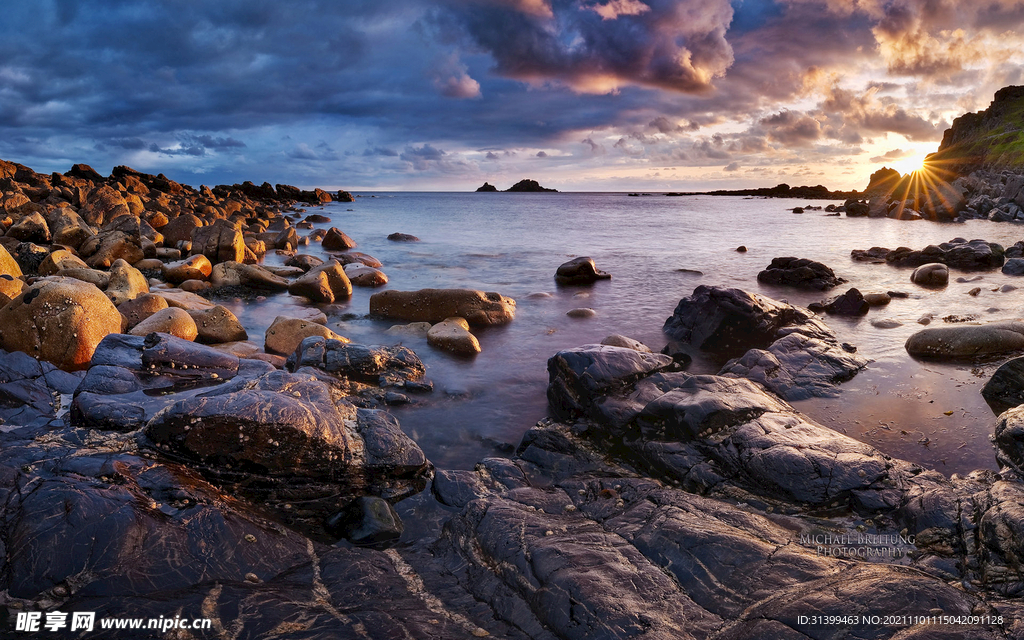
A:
487,187
531,186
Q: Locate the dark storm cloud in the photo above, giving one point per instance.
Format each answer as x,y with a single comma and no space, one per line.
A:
599,46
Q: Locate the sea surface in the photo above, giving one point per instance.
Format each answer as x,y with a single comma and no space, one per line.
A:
658,249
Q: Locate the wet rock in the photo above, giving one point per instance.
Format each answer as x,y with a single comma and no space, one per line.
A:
102,205
801,273
196,267
303,261
886,323
336,240
580,270
173,321
784,347
851,303
582,312
382,366
413,329
60,320
125,283
967,340
616,340
284,334
1014,267
137,310
930,275
1005,389
958,253
580,377
402,237
323,284
434,305
877,299
183,299
364,276
253,276
368,522
874,254
222,241
218,325
453,335
180,229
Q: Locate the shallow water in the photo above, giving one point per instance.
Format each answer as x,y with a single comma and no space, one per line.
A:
512,243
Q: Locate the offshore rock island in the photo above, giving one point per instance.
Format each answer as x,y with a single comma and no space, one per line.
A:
156,459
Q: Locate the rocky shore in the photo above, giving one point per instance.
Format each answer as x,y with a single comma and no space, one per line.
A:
156,462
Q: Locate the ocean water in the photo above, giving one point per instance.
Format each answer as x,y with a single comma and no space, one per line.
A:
512,244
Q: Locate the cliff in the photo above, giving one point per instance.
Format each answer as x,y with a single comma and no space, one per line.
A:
992,139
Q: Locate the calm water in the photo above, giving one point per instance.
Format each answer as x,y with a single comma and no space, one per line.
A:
512,243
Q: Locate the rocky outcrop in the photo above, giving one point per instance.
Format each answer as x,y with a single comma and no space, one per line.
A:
434,305
801,273
783,347
487,187
973,255
529,186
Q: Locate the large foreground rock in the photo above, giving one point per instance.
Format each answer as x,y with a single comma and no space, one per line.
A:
434,305
785,348
59,320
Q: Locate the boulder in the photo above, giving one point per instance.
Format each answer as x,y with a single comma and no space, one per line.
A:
801,273
218,325
93,276
222,241
197,267
616,340
402,237
877,299
59,260
125,283
781,346
303,261
1005,389
386,367
931,275
1014,267
8,265
363,276
236,274
325,283
967,340
10,288
173,321
59,320
140,308
851,303
368,522
453,335
180,229
285,334
31,228
102,205
580,270
434,305
336,240
106,249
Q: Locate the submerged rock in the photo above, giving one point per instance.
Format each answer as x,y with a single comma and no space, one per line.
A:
453,335
931,275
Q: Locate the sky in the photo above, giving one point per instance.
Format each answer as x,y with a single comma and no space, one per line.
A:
443,95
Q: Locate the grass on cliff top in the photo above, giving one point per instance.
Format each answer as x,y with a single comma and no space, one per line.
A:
1002,148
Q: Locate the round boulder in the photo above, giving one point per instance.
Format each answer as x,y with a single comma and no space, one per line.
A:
285,334
172,320
364,276
60,320
435,305
197,267
453,335
931,275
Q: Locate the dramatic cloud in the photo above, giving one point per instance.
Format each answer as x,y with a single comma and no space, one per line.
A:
447,93
678,45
